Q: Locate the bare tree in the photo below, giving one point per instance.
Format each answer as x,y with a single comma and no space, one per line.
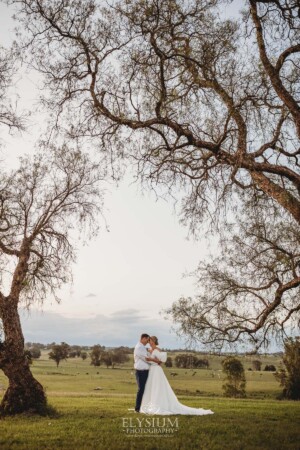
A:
44,204
8,114
208,110
201,103
250,291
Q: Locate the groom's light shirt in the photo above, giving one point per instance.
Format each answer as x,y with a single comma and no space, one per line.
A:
140,355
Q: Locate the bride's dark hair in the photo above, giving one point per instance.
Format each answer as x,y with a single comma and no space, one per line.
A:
154,339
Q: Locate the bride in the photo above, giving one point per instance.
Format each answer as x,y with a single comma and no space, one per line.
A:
159,397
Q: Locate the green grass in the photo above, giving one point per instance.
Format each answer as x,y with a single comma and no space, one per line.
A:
97,423
94,419
77,377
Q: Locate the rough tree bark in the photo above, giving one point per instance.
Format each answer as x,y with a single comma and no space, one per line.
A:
24,392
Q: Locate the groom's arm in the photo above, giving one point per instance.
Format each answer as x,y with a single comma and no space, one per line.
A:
141,355
156,360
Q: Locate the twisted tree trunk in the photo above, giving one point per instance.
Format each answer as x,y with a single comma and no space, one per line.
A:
24,392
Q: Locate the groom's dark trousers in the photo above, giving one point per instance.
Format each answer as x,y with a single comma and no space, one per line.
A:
141,378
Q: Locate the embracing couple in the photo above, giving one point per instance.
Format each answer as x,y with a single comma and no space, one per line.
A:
155,395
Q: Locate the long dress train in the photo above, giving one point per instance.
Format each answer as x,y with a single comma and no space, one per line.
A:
159,398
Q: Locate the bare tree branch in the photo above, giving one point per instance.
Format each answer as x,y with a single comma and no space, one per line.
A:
185,81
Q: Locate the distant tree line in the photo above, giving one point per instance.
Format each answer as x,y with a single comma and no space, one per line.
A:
98,354
235,381
257,366
187,361
110,358
49,346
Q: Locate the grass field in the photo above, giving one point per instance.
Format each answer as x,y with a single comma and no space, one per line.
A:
93,402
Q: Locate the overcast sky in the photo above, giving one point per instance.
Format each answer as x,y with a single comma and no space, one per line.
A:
124,277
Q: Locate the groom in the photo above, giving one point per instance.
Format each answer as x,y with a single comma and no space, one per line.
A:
141,366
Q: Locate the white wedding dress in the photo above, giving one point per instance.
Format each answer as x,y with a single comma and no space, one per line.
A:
159,397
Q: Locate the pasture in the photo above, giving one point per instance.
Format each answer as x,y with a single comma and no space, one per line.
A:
93,403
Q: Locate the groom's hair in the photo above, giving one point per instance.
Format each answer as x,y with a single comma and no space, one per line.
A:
144,335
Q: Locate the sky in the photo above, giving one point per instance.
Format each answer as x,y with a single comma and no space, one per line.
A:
125,277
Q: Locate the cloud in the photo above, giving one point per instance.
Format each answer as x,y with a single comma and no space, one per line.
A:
126,316
123,327
126,312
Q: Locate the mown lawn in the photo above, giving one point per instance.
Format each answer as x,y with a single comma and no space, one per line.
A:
98,423
93,413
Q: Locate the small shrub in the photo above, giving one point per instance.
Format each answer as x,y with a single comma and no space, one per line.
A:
169,362
235,381
289,377
256,365
270,368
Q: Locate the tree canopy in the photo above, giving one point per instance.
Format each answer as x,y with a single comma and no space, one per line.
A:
202,104
50,196
213,102
9,117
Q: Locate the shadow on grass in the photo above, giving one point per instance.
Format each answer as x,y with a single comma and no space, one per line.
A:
47,411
